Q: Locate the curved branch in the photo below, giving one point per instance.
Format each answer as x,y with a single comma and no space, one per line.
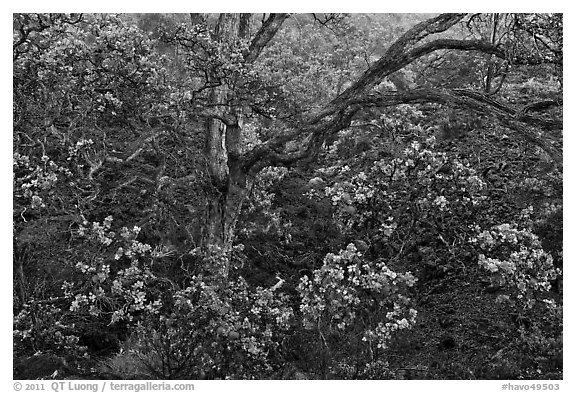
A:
269,153
269,28
480,103
463,45
311,138
541,105
401,53
337,114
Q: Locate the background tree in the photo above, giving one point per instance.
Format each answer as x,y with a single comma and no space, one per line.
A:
310,127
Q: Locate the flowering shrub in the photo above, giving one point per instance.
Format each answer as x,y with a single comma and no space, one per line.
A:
440,189
216,328
517,262
44,326
351,295
518,265
378,369
35,179
112,283
214,331
111,288
546,186
440,184
83,70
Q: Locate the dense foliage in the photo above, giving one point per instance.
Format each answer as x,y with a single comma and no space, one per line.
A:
300,197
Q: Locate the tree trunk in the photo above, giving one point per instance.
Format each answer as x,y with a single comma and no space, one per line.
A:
490,60
222,151
223,131
231,187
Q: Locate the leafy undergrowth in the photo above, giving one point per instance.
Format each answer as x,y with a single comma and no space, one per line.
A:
461,331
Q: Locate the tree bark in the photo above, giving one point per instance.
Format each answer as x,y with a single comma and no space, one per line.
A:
216,232
223,130
489,60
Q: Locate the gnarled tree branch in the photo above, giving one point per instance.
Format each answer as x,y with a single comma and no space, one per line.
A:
517,120
269,28
398,56
337,114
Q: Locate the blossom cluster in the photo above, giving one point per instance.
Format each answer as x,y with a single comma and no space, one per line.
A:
125,293
347,289
217,323
33,182
116,285
102,234
515,259
81,145
438,185
42,324
547,210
